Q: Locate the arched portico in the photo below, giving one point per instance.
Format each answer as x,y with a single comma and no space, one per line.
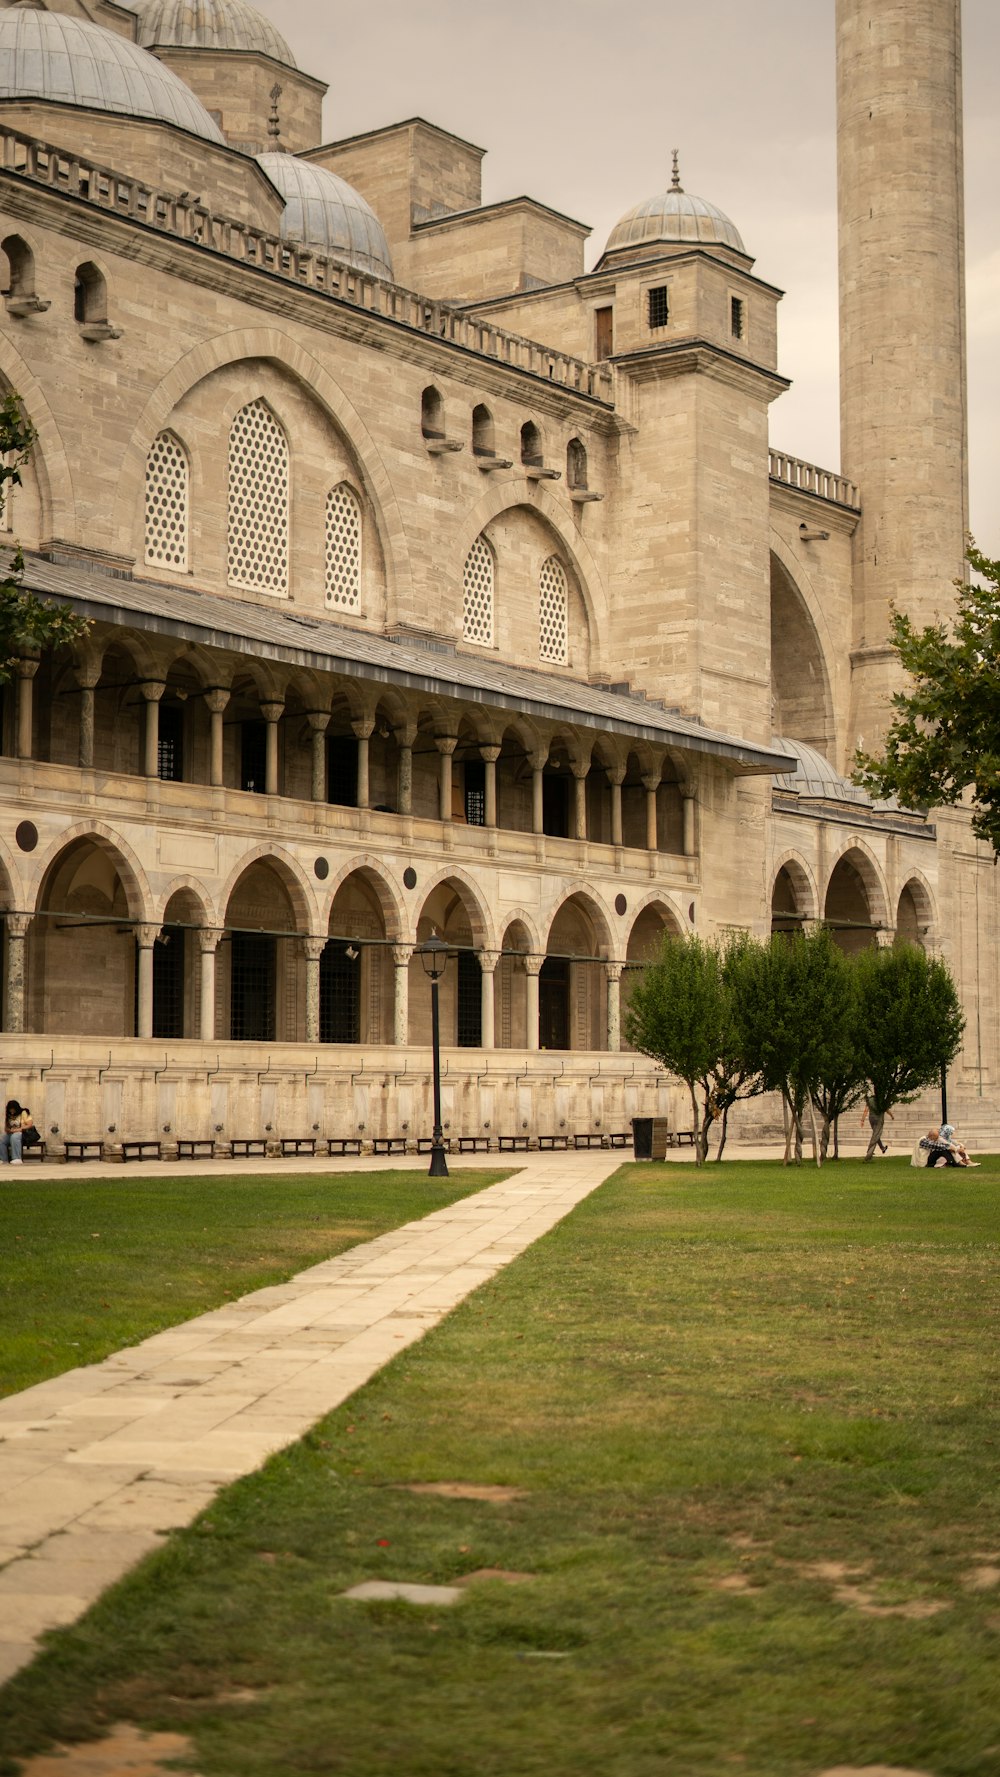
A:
854,905
89,958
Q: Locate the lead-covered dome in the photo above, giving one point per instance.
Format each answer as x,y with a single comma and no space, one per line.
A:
323,211
209,24
675,216
68,61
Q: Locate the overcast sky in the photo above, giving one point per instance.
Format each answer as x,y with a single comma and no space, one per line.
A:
579,103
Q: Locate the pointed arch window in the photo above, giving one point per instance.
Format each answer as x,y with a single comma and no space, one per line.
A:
479,586
167,479
258,501
553,613
343,548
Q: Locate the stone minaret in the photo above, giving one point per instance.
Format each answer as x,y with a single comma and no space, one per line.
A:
902,321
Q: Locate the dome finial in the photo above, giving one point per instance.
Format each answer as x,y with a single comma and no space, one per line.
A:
274,122
675,183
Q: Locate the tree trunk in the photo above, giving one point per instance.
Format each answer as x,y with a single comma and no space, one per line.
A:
812,1121
836,1138
824,1137
797,1122
700,1144
786,1117
722,1138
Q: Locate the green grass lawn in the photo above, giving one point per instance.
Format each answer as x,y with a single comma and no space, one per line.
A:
753,1414
90,1265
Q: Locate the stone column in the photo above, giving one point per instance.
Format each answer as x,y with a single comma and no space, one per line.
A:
208,944
689,833
272,713
404,777
313,948
488,960
446,744
26,670
490,755
651,783
145,937
152,690
16,925
363,729
616,777
216,701
401,954
581,772
613,972
87,674
537,796
318,721
532,970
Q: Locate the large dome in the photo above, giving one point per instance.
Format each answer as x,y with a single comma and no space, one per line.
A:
68,61
675,216
323,211
209,24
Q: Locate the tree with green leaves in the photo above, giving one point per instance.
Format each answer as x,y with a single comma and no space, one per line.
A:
841,1082
909,1022
678,1015
28,625
944,741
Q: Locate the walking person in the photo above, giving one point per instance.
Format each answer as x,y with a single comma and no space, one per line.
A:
15,1121
876,1120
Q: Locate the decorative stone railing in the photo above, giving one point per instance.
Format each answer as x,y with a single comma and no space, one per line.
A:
188,219
791,472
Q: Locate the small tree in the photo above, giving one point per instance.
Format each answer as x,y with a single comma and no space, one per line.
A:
909,1022
945,736
678,1016
735,1075
792,1016
840,1082
27,624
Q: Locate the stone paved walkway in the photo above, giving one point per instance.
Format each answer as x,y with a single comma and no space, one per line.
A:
96,1464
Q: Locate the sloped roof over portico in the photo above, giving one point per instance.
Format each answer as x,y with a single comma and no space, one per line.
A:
435,667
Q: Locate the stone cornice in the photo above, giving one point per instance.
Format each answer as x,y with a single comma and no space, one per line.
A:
699,357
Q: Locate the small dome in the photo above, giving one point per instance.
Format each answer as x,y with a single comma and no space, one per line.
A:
675,216
323,211
811,774
209,24
68,61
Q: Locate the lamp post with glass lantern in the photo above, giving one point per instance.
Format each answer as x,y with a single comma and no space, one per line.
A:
433,954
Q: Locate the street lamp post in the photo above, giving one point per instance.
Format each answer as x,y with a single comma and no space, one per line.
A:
433,954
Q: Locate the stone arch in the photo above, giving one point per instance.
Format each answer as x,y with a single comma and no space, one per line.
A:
801,647
387,891
270,344
480,921
452,907
186,909
516,490
198,893
293,876
794,899
572,981
82,963
49,460
135,881
356,975
655,902
855,901
647,924
519,945
915,918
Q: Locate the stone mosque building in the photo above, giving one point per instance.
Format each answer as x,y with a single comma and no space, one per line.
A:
438,583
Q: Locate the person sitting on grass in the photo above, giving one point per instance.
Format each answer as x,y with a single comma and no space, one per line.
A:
939,1151
960,1152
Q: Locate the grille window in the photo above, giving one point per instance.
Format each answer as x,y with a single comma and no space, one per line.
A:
470,1001
170,747
258,501
553,624
252,989
479,583
474,785
736,316
168,983
166,503
342,770
659,306
253,756
343,548
555,806
339,994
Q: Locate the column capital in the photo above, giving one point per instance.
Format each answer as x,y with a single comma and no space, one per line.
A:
580,768
405,733
651,780
539,758
26,667
146,936
152,689
217,699
313,947
363,727
17,924
533,965
446,743
616,774
208,940
273,710
318,720
87,674
490,754
613,970
488,960
401,954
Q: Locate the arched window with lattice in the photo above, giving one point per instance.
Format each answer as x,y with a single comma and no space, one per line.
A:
167,480
479,585
343,548
258,501
553,613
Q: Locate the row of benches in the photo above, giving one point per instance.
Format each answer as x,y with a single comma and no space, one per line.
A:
293,1146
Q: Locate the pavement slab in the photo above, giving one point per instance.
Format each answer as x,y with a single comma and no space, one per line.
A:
96,1465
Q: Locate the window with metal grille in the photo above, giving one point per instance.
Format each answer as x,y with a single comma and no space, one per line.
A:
343,548
166,503
342,770
252,987
253,756
168,983
339,993
659,306
553,1003
553,613
555,806
470,1001
170,744
474,788
258,501
479,583
736,316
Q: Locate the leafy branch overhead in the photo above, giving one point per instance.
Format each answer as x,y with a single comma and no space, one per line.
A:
28,624
944,742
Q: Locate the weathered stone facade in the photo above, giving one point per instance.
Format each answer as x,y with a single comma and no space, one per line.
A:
403,621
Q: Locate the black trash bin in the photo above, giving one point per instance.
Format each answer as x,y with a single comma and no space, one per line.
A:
642,1138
